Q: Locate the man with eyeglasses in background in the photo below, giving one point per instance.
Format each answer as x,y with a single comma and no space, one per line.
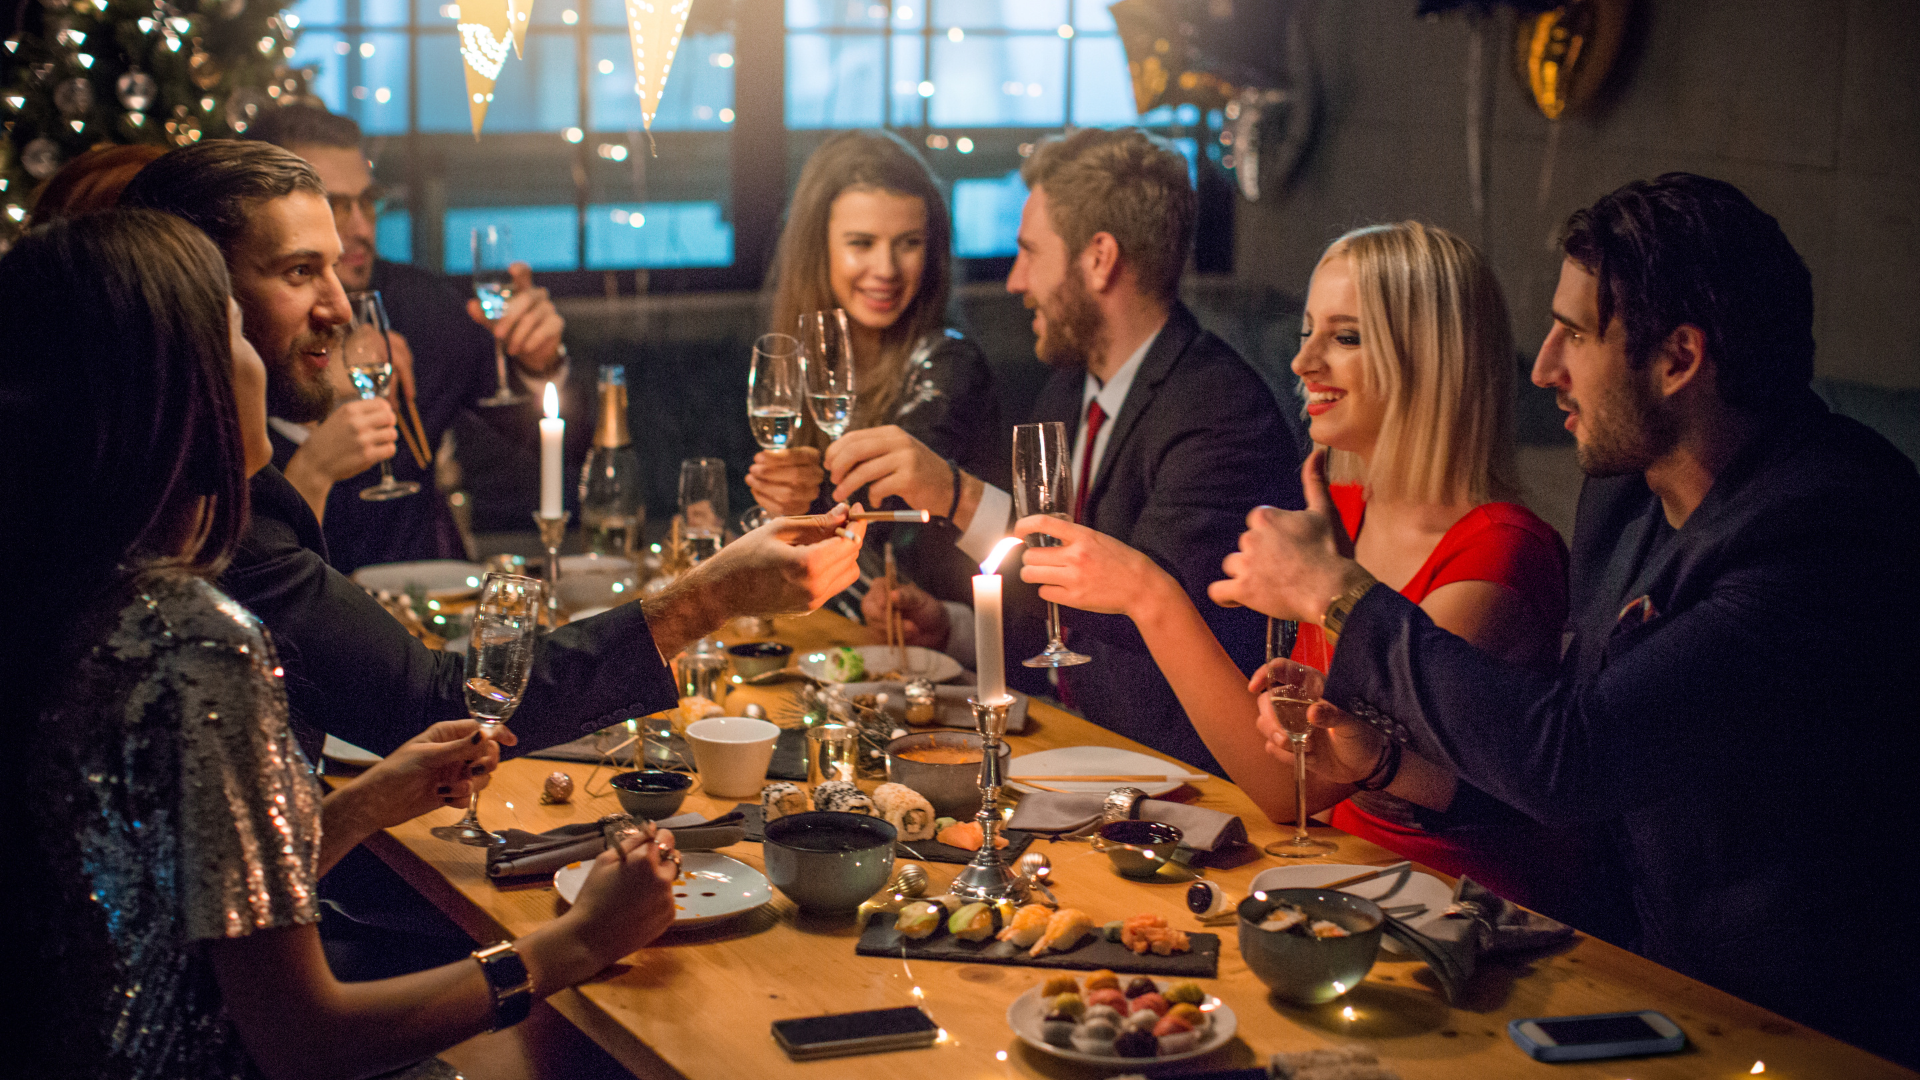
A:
443,359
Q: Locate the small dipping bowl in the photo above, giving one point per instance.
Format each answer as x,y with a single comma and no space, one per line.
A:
952,787
753,658
828,862
1308,970
1139,848
651,794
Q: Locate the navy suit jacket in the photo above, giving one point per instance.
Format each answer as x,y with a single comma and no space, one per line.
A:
1736,709
353,672
1199,443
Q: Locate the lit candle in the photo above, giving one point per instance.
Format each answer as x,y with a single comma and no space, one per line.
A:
990,653
553,432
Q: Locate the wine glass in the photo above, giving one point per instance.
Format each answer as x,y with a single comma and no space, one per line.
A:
774,386
493,285
1293,688
499,659
703,506
828,351
368,355
1043,484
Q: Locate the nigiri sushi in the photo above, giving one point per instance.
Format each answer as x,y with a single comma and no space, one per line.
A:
1064,930
974,922
966,837
1029,923
920,919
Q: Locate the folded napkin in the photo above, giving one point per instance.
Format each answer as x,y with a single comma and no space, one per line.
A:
1332,1063
1477,923
526,854
950,708
1055,812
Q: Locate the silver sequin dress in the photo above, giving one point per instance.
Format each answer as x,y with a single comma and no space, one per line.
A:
173,808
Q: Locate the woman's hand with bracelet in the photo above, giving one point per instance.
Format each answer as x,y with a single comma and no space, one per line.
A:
1343,749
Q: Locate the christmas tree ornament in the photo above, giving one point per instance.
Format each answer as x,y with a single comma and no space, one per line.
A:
41,158
136,90
486,28
74,99
205,71
654,27
244,106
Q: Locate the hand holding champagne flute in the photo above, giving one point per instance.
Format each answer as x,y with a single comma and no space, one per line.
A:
493,287
506,621
368,355
1291,690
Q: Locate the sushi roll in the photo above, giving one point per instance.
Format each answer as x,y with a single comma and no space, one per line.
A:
1186,993
1095,1037
919,920
843,665
1208,901
1111,931
779,800
974,922
1136,1044
1057,1029
1060,984
837,795
906,810
1028,924
1064,930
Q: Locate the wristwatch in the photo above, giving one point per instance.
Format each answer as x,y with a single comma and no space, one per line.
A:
1335,617
510,982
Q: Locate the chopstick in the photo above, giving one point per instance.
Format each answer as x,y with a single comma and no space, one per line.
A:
896,631
919,517
1157,778
1356,879
416,444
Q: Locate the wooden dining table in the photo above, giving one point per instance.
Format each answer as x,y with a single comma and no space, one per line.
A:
699,1003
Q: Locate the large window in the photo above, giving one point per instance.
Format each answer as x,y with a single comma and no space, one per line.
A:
563,161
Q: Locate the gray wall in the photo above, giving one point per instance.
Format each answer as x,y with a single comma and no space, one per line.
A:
1812,107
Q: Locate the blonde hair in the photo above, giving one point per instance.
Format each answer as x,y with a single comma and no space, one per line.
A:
1436,345
1124,182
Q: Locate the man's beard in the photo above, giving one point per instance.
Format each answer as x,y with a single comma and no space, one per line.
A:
1075,328
1626,430
295,391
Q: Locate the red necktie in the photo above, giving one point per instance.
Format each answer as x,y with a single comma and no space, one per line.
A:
1095,417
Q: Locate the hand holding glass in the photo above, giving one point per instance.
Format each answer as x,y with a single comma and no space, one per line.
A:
774,386
1043,484
493,286
703,506
506,621
1292,689
368,354
828,350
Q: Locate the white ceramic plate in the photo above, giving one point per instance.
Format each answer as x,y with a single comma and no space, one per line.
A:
937,666
1097,761
346,753
440,579
1387,891
710,887
1027,1010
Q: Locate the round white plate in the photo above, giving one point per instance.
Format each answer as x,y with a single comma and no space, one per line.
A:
440,579
346,753
1387,891
710,887
879,659
1097,761
1027,1010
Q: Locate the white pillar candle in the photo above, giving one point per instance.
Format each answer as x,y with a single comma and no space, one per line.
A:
990,652
553,433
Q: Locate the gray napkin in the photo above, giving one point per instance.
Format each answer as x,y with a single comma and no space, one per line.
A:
950,708
1477,923
525,853
1055,812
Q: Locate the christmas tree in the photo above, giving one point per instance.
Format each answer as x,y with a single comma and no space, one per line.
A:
76,74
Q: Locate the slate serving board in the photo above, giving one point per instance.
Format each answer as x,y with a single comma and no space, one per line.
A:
919,850
881,939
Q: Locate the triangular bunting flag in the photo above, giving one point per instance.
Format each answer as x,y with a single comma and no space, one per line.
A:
520,16
486,28
655,27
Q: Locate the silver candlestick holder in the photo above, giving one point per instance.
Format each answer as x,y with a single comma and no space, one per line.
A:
988,877
553,530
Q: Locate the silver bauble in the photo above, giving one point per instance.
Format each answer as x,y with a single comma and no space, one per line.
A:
136,90
41,158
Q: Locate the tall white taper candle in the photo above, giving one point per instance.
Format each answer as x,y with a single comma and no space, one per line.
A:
553,433
990,652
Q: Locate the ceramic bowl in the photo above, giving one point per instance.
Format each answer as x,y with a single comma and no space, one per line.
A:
1307,970
753,658
1139,848
651,794
952,788
828,862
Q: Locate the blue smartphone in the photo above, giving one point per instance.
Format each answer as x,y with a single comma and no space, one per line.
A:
1597,1035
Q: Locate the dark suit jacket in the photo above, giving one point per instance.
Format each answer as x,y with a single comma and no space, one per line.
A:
1736,709
1199,442
353,672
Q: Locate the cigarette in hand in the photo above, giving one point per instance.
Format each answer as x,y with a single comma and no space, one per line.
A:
903,516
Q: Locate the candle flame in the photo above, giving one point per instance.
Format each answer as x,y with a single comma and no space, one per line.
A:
1347,1012
1758,1067
551,402
991,564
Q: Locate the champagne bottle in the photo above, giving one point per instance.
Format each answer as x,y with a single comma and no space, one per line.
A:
611,511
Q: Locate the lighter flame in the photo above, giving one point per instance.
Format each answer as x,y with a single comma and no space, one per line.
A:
991,564
1758,1068
551,403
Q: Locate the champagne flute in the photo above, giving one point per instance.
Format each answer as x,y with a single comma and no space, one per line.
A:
828,351
493,285
774,386
703,506
1043,484
368,355
499,660
1293,688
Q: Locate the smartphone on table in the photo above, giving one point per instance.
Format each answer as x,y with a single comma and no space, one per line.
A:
1597,1035
809,1037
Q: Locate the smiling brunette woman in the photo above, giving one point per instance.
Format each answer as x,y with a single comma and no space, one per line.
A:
1407,366
868,232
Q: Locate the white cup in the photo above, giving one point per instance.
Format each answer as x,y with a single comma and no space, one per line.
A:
732,754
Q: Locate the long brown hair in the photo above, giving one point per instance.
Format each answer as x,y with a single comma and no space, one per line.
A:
801,279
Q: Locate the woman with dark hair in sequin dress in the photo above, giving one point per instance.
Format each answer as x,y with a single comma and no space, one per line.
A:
164,898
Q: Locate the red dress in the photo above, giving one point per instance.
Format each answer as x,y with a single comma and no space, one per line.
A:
1507,544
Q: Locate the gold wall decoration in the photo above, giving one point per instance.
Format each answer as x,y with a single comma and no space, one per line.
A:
486,33
1563,56
654,26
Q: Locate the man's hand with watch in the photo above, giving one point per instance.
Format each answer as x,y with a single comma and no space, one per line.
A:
1294,564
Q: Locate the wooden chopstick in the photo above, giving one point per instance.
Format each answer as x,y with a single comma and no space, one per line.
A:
1368,876
1155,778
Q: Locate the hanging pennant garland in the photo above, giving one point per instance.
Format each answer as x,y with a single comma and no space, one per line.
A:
486,32
519,17
655,27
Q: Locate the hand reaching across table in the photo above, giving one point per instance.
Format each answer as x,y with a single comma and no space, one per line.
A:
888,461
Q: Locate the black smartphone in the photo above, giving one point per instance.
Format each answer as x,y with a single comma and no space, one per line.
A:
810,1037
1597,1035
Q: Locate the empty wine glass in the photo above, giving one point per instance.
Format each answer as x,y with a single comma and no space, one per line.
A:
499,660
774,386
367,352
828,351
493,285
1293,688
1043,484
703,506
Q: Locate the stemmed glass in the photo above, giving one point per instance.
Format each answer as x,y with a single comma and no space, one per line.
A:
1043,484
1293,688
773,391
493,284
368,355
703,505
499,659
828,349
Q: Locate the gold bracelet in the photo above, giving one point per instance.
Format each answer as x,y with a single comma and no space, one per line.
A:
1335,617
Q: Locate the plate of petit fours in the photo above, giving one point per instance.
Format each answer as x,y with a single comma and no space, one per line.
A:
1106,1018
